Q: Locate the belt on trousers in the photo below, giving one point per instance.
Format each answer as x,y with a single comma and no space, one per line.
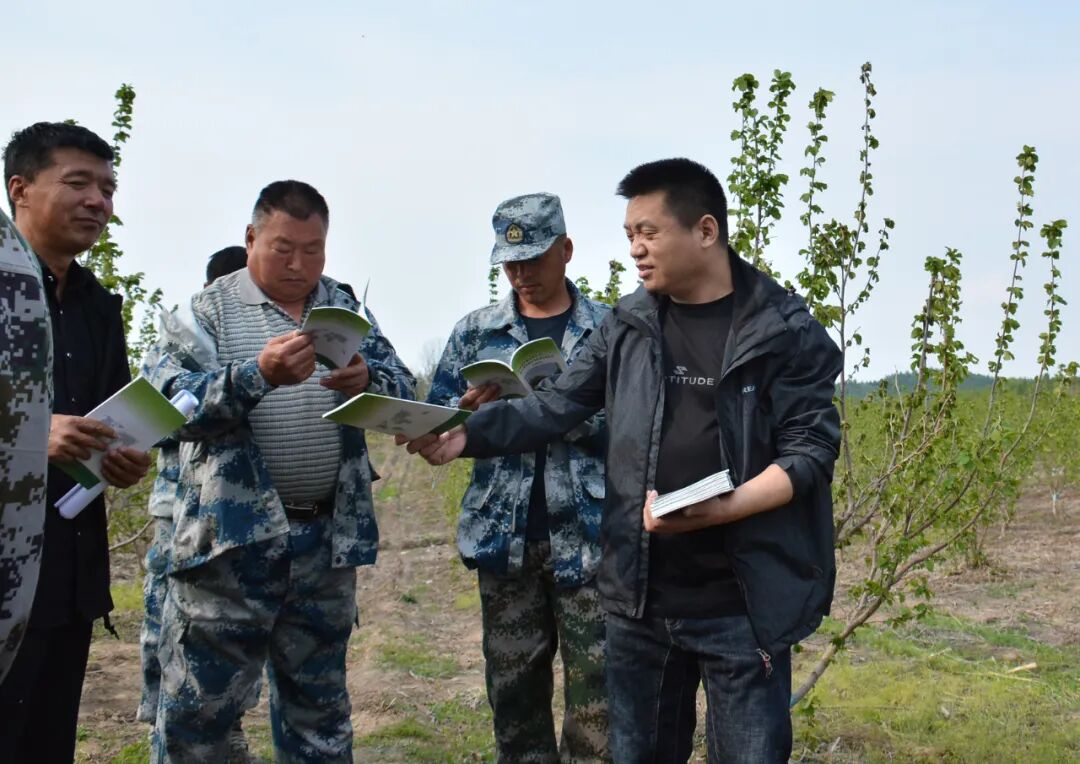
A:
302,511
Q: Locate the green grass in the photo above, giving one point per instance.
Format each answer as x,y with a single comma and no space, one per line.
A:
127,597
468,601
388,492
260,739
446,732
415,594
133,753
406,729
939,691
453,479
413,655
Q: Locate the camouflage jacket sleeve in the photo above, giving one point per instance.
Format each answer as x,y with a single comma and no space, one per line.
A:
226,394
389,376
447,384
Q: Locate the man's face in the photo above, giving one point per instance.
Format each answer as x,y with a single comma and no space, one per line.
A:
286,255
65,208
668,256
539,281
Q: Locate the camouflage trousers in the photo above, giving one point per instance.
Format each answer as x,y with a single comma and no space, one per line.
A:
155,590
526,618
277,602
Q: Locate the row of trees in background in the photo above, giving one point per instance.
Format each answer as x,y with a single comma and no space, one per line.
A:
925,467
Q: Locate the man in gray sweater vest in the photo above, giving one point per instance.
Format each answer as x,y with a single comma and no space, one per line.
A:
275,501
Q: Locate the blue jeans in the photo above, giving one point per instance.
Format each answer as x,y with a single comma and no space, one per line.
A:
654,666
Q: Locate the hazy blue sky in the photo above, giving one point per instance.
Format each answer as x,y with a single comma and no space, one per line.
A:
416,119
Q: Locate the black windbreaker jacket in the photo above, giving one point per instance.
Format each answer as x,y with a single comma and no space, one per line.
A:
775,406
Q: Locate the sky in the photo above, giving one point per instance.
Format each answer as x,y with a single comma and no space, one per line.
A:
416,119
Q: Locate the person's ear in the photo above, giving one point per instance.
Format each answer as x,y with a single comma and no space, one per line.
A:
17,188
708,231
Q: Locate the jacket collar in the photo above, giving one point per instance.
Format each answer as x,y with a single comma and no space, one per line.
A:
505,316
756,320
82,281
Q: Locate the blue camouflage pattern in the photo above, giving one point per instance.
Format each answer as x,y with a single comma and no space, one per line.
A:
526,227
278,602
491,530
226,497
179,331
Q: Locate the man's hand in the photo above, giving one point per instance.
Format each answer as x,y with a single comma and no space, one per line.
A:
352,380
288,359
770,489
72,437
475,397
714,511
436,449
124,467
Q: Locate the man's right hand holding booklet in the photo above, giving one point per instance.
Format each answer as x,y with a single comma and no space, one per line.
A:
444,448
772,488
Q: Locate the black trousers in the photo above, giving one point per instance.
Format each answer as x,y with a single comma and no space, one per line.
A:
39,699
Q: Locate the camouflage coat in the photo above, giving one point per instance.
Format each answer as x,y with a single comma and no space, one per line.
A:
179,334
491,530
226,496
26,392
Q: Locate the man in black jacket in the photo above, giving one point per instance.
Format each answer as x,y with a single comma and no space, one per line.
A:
709,365
60,185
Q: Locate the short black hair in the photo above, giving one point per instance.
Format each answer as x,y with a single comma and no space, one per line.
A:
690,189
225,261
293,197
31,150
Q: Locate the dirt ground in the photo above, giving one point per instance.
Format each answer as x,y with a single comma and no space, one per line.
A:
419,641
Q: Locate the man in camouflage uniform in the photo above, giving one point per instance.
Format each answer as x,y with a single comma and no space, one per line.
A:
162,506
25,363
276,508
530,523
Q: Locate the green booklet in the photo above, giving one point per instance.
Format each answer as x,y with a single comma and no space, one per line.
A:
530,363
337,334
396,416
140,415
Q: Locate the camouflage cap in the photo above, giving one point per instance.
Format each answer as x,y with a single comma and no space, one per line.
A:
526,227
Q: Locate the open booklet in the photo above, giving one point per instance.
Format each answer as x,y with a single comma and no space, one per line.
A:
714,485
337,333
396,416
530,363
140,415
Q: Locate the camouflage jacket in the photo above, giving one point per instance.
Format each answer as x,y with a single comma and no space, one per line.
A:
179,334
226,495
491,529
26,390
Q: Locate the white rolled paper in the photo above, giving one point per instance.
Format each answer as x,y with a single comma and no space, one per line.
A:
78,498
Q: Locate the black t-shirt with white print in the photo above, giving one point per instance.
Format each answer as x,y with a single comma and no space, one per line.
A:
689,577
